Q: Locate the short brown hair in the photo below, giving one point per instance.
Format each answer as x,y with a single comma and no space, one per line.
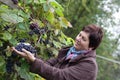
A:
96,34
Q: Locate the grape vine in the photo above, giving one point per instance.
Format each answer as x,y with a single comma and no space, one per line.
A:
37,22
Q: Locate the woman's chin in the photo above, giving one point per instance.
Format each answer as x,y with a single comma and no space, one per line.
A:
75,47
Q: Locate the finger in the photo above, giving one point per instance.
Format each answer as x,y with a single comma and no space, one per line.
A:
30,56
27,52
18,52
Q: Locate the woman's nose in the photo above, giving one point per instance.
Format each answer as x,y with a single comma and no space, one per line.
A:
78,39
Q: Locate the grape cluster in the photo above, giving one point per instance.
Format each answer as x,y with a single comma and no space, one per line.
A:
33,25
15,1
14,59
9,65
35,29
26,46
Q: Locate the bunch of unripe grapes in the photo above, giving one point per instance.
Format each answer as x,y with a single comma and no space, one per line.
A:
14,59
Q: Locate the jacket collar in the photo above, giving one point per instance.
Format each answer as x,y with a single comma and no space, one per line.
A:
85,55
63,52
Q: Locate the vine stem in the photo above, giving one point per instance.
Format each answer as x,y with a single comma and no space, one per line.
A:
39,39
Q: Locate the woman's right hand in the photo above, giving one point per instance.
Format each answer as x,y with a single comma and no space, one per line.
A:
25,54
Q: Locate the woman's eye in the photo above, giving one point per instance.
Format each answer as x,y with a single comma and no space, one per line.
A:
83,39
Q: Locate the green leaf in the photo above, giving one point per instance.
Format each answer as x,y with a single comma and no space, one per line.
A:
25,75
58,8
57,44
55,51
1,43
36,76
36,1
59,12
69,41
13,41
62,40
2,65
28,1
42,1
24,15
24,71
56,5
50,17
3,8
39,1
12,18
21,26
63,22
46,7
6,36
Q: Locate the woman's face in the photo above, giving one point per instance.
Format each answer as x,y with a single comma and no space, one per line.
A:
82,41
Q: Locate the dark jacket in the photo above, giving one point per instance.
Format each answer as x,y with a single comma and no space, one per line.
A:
83,67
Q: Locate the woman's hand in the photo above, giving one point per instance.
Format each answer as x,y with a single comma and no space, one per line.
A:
26,54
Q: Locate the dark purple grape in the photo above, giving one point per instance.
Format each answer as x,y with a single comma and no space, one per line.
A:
46,41
36,30
31,33
6,28
18,63
14,55
23,40
15,1
33,25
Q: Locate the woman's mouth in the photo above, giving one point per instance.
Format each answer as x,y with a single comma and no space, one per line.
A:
76,44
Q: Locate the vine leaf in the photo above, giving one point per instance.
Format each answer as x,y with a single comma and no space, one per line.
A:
2,65
6,36
12,18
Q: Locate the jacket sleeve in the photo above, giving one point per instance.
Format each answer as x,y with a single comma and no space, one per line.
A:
52,61
84,71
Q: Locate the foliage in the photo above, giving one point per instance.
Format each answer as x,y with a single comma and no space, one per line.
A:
84,12
47,37
80,13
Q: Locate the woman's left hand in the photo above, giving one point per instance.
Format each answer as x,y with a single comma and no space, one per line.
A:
25,54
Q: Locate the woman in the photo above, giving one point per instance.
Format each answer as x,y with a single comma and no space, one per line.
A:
73,63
